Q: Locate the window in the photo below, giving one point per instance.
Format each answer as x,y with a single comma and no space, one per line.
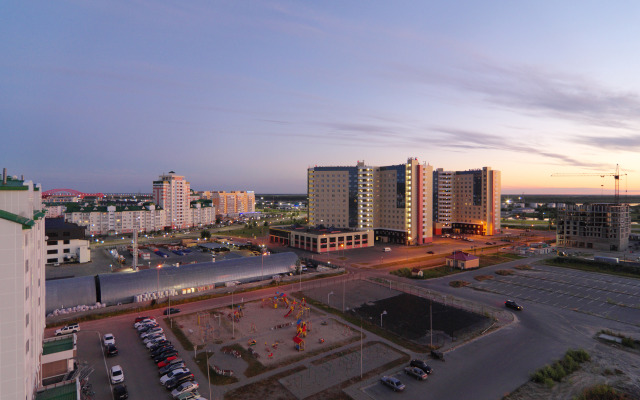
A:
26,293
52,242
66,250
52,260
27,347
55,251
27,320
26,266
66,241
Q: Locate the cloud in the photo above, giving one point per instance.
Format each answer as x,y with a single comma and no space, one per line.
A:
536,91
623,143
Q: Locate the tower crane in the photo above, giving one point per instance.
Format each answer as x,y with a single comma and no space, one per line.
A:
616,177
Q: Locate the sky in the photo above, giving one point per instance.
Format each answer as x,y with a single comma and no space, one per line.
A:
105,96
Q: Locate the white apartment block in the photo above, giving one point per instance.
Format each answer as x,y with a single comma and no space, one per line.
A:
172,193
22,287
65,242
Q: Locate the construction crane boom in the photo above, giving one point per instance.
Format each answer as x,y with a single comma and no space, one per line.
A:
616,177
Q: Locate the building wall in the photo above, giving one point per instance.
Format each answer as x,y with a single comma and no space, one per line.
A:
22,285
394,200
172,193
604,227
57,250
468,201
234,202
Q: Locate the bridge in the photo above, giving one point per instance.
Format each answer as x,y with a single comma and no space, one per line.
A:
69,192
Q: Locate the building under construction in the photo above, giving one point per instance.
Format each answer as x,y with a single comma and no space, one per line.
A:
602,226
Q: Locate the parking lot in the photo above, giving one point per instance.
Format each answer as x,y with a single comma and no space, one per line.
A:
414,389
140,372
606,296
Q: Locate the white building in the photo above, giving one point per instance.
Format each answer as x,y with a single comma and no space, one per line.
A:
172,193
66,242
106,220
22,287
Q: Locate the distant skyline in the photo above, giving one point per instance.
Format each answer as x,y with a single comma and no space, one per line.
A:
106,96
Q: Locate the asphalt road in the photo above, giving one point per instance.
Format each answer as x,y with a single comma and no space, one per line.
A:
498,363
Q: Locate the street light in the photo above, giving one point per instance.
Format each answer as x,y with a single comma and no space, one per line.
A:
158,271
383,313
328,297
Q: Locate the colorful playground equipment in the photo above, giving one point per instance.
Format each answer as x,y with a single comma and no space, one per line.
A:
298,343
301,330
236,314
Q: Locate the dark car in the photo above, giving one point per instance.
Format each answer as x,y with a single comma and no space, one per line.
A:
422,365
120,392
178,380
513,304
170,311
165,355
430,252
111,350
177,363
157,345
161,349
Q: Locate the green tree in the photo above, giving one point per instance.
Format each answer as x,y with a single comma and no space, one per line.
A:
205,234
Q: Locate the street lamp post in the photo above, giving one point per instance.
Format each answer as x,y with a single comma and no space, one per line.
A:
233,318
208,374
328,297
158,271
383,313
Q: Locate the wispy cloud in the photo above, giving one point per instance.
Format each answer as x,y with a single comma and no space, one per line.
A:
536,91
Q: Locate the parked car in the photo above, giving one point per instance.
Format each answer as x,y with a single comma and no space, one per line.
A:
116,374
193,395
111,350
177,363
416,373
430,252
120,392
170,311
155,343
151,332
154,338
163,356
178,380
108,339
393,383
165,362
65,330
422,365
144,321
161,350
146,327
513,304
185,387
169,375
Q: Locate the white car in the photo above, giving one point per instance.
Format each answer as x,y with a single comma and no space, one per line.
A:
116,374
144,322
65,330
184,387
154,338
108,339
151,332
171,374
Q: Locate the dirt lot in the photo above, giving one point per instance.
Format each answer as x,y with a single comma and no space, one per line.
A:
613,365
267,325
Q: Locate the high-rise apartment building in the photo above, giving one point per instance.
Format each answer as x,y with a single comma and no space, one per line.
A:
467,201
393,200
235,202
22,285
172,193
601,226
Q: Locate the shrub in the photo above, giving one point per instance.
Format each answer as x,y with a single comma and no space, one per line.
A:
601,392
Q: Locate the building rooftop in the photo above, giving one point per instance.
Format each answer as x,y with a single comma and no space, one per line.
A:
25,222
13,183
318,230
57,346
462,256
65,391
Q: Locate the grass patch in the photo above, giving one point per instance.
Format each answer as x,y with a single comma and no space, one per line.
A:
481,278
523,267
557,371
594,266
269,388
504,272
371,327
626,340
601,392
458,284
182,338
215,379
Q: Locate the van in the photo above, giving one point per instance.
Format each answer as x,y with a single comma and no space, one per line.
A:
65,330
386,249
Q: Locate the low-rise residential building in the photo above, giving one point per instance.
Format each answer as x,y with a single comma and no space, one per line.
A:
66,242
235,202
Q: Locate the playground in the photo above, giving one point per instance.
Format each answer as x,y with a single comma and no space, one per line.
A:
273,330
